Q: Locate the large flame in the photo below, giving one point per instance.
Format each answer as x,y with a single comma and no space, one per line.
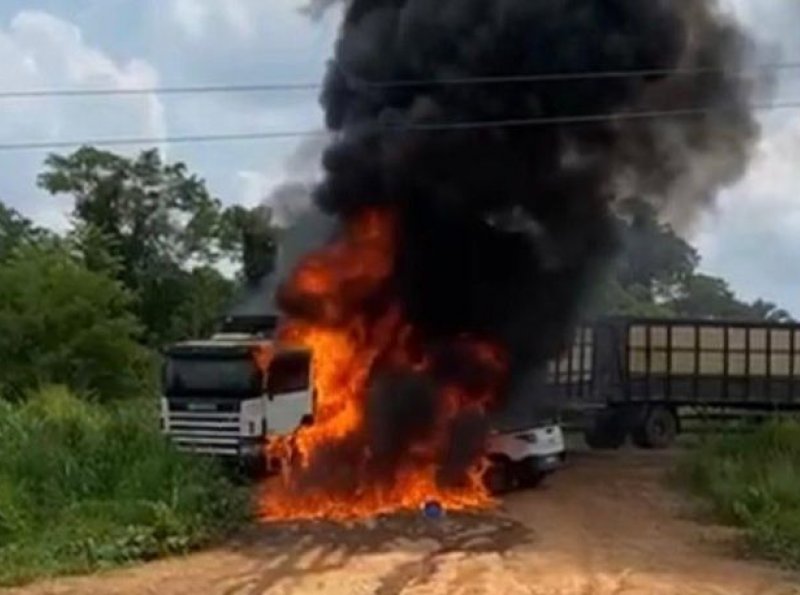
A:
345,314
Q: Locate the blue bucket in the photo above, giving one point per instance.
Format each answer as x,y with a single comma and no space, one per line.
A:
432,510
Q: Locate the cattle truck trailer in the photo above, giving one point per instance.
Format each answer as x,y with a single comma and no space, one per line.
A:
634,376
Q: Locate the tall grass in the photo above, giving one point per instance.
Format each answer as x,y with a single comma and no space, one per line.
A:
753,481
83,487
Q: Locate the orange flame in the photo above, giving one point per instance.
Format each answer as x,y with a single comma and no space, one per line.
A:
262,355
337,286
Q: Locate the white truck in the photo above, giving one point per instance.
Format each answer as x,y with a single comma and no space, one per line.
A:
218,400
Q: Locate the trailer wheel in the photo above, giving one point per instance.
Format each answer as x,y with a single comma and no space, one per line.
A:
498,478
608,431
657,429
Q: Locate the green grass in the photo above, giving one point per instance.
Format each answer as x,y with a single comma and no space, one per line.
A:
85,487
752,481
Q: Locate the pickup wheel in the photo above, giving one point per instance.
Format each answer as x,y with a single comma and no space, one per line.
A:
657,429
527,475
498,478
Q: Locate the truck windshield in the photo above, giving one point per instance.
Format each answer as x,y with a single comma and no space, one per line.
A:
219,377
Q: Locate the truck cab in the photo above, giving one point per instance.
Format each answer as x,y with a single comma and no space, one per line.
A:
224,396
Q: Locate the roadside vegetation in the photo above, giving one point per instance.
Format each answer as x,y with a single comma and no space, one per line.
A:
85,487
752,481
87,481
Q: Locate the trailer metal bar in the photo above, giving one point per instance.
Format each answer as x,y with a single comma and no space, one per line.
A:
570,377
747,354
696,374
792,365
768,387
648,350
726,355
668,388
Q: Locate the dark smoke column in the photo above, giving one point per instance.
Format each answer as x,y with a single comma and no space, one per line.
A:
501,229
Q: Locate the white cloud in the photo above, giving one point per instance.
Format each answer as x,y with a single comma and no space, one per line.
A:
753,238
191,16
286,189
255,186
196,18
41,51
242,41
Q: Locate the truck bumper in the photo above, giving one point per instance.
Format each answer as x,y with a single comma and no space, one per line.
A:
543,464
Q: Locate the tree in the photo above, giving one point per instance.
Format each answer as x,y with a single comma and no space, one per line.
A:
763,310
61,323
151,211
613,298
205,294
251,234
16,231
653,256
150,224
704,296
656,275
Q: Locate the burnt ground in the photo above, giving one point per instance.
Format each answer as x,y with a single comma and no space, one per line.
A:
607,525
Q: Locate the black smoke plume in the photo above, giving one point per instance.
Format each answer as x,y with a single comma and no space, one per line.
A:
503,228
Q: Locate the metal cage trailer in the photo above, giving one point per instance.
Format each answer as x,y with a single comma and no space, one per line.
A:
635,376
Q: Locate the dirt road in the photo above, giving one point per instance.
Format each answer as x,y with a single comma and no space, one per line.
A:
605,526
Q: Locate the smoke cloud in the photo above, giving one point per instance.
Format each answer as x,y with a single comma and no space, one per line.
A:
502,229
302,171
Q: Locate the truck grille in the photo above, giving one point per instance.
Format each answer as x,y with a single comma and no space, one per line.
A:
204,432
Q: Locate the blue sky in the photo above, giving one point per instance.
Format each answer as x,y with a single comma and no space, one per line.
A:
752,237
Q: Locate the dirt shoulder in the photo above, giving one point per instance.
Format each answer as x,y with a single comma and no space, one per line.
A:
607,525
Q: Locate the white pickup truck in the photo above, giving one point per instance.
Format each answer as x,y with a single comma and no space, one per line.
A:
523,458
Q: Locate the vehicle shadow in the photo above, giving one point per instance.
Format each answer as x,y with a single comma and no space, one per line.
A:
291,551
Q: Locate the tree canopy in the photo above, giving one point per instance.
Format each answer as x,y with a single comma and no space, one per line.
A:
657,274
61,323
17,231
155,227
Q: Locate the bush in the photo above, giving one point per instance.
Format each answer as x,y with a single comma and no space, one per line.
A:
63,324
83,486
753,481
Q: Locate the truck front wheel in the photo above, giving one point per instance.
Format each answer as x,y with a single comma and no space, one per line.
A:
657,429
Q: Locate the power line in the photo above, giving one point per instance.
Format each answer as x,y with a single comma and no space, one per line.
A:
455,81
431,127
185,139
585,75
187,90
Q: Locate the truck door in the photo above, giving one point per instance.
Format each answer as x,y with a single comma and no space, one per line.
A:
290,399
